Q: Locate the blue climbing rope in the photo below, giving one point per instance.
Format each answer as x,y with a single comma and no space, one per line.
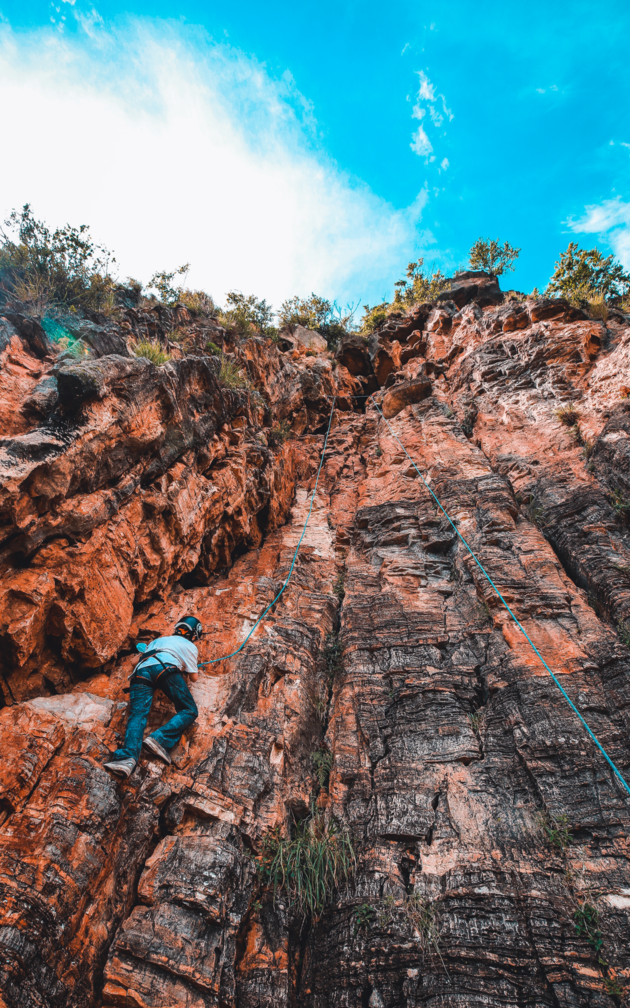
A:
214,661
521,628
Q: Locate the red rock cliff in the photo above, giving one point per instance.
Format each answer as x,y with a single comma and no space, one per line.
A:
491,837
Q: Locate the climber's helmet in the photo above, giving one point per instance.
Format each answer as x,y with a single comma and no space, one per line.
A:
189,627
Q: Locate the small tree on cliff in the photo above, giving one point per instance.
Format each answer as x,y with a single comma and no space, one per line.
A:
317,313
489,255
584,275
246,313
46,269
169,293
419,285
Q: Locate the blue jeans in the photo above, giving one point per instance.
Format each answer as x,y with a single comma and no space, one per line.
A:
140,700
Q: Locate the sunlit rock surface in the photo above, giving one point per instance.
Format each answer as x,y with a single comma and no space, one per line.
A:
132,494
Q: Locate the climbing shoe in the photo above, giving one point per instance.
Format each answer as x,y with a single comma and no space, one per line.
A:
156,748
122,767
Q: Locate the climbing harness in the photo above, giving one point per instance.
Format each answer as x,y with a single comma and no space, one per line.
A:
214,661
521,628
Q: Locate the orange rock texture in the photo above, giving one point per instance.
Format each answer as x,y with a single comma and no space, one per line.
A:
491,837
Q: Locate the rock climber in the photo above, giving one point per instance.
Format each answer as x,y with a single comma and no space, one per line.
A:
161,665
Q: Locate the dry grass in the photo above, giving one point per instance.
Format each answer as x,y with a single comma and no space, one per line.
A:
568,415
153,352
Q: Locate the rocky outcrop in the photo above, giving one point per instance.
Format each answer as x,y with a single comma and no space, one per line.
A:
490,836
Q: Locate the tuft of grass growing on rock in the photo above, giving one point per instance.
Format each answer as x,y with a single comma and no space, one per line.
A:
613,987
310,865
555,829
586,919
419,914
621,505
568,415
151,351
278,434
322,764
231,376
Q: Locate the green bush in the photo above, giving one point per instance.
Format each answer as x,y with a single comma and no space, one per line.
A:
247,315
320,315
586,275
418,285
310,865
151,351
363,917
51,269
489,255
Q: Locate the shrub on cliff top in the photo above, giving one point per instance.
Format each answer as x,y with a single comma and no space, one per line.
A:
489,255
319,314
198,302
584,275
61,268
247,315
417,286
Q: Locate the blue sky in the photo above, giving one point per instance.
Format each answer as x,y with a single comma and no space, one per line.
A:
283,148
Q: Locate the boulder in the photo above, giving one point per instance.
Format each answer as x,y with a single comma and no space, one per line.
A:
473,285
404,395
93,379
308,339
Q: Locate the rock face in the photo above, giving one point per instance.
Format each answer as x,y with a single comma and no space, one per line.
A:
490,835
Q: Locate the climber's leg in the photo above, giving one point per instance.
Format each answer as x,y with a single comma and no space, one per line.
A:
140,700
180,696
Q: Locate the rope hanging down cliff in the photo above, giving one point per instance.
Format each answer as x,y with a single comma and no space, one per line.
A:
521,628
213,661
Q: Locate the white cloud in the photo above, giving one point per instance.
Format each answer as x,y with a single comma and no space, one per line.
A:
174,149
610,220
427,89
444,164
420,142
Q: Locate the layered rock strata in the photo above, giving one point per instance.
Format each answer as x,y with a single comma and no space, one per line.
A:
491,838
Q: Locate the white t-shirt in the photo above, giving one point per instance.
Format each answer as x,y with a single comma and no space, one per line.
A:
184,649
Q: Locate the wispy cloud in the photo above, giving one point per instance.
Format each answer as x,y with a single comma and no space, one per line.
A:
609,219
175,148
435,105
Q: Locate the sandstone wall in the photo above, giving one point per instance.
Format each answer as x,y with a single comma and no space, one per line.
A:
132,494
